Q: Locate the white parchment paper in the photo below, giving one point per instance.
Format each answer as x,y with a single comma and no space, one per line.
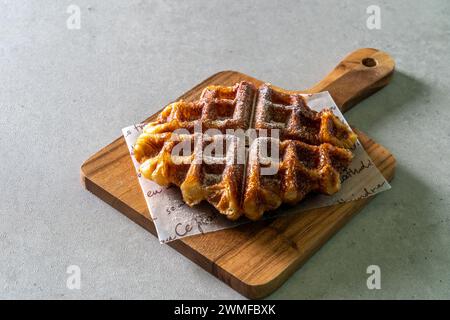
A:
174,219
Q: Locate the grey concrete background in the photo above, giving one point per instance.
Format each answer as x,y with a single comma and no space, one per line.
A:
66,93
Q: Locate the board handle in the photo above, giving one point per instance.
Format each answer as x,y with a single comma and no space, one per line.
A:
359,75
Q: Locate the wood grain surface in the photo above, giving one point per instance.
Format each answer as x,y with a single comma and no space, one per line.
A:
255,258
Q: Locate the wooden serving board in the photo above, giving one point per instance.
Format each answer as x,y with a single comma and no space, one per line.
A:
255,258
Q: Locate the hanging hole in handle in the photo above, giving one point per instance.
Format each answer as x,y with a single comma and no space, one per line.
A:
369,62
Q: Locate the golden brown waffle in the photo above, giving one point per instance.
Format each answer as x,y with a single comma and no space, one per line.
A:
218,108
300,168
295,120
311,149
200,175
